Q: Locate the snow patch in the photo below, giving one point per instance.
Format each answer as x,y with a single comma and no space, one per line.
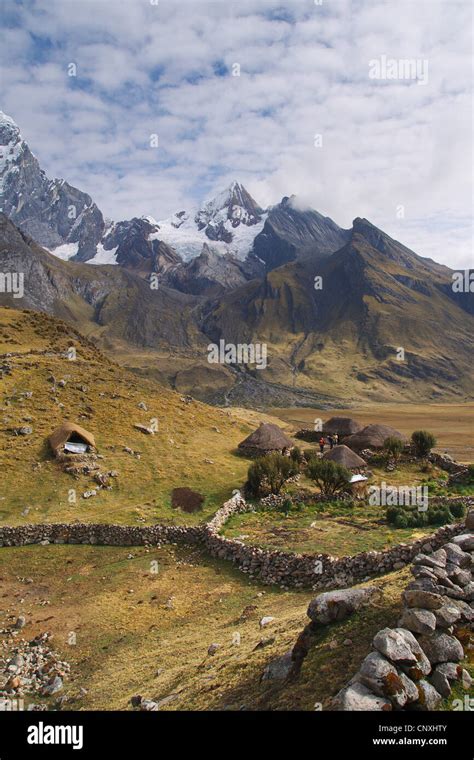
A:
103,256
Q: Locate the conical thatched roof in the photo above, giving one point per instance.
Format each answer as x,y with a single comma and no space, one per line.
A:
342,426
267,437
345,456
372,437
68,431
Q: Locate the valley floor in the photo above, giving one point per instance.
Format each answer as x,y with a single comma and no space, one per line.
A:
452,424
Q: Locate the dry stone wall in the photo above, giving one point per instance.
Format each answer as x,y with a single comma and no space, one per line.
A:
269,567
416,664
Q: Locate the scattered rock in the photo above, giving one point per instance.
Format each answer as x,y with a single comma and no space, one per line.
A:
337,605
279,669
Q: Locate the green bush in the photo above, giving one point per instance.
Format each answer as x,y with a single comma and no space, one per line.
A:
330,476
423,442
457,509
410,517
470,474
401,520
296,455
268,474
393,447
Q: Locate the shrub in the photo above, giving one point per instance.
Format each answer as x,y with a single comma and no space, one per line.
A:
457,509
423,442
268,474
330,476
286,507
470,474
401,520
296,455
393,447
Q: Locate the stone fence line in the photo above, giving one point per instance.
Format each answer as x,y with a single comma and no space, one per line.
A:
285,569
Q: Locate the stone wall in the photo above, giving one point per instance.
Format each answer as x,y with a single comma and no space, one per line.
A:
285,569
415,665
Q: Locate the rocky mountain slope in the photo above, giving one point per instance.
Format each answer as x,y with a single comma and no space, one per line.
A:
342,313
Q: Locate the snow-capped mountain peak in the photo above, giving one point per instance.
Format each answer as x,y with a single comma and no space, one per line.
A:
228,222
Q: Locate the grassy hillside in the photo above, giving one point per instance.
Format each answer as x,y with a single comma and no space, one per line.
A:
193,446
143,633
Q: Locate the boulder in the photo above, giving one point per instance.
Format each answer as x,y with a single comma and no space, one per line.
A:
440,647
437,559
447,615
357,697
429,698
441,683
470,520
332,606
381,677
401,647
457,556
422,599
417,620
280,668
465,541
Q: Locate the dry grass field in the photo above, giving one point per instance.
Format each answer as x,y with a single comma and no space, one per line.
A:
137,632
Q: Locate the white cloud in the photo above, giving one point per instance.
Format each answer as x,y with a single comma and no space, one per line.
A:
146,69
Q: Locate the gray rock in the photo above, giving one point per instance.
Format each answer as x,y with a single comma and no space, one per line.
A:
469,592
447,616
382,678
440,647
398,645
20,622
460,577
279,669
417,620
410,687
466,680
429,697
437,559
470,520
212,649
441,683
422,599
266,621
339,604
465,542
457,556
358,697
55,685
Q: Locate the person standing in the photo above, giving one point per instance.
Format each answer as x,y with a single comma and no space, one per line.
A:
330,441
335,439
321,444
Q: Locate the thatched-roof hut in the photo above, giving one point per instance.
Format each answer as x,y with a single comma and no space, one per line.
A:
345,456
264,440
373,437
343,426
71,438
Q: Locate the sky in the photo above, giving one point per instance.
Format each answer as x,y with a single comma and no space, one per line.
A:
152,106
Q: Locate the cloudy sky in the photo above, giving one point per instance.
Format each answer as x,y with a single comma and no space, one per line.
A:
303,116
